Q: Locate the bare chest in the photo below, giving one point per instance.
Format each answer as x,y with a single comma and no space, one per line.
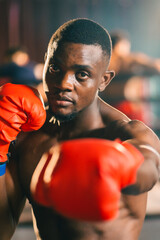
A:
52,225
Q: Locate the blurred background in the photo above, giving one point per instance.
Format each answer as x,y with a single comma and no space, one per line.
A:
25,29
31,23
28,26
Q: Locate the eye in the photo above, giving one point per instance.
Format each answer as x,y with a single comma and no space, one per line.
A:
82,75
53,68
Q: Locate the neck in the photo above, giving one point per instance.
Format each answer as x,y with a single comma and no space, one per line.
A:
88,119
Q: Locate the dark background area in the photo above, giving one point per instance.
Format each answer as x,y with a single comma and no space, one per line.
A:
30,23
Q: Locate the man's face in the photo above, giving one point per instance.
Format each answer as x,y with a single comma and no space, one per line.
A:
72,75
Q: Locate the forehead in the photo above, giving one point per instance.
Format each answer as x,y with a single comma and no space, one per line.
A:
76,52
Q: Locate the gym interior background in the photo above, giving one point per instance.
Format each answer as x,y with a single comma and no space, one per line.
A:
31,23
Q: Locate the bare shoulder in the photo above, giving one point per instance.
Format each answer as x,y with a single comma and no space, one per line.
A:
126,128
110,113
142,133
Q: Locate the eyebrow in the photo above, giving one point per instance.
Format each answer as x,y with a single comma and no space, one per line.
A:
75,66
81,66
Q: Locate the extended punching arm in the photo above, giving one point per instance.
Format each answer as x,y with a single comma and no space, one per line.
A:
83,178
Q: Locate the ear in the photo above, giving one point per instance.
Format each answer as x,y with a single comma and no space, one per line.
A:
106,79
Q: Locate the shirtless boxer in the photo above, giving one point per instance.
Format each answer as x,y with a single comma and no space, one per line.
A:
77,121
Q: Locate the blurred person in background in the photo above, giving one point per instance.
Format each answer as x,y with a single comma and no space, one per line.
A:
18,68
127,63
130,91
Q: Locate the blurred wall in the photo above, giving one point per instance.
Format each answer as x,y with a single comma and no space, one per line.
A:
31,22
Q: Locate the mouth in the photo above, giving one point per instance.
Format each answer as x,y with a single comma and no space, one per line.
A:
61,100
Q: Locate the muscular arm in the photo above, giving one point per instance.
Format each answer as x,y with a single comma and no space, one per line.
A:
20,109
135,64
12,201
141,64
148,144
143,138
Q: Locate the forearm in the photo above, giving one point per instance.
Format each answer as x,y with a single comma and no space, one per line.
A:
148,173
12,201
7,221
145,69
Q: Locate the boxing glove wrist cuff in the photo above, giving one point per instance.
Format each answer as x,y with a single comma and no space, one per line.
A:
2,169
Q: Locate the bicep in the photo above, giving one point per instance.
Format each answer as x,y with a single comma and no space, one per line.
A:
142,134
148,144
12,201
16,197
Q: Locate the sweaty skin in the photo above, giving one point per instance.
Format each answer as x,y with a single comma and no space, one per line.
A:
72,78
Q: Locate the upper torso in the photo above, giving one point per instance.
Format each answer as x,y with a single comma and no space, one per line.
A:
51,225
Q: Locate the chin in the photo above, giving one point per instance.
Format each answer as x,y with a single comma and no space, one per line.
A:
62,117
65,118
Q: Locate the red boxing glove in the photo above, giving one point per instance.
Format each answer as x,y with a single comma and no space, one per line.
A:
21,108
83,178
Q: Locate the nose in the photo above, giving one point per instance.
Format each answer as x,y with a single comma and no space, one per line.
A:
66,82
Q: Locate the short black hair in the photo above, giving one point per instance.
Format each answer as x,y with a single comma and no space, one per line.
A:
85,31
